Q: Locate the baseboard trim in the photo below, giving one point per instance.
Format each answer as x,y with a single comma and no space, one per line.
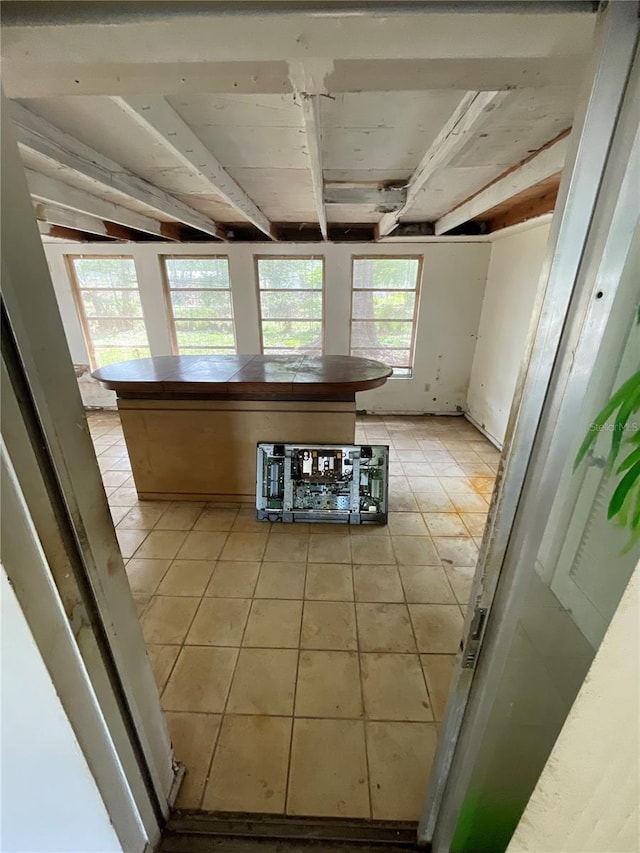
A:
497,444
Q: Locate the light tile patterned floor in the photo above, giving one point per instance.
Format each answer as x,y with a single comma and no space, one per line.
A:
304,668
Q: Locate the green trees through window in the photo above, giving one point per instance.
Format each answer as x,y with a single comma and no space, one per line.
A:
384,301
199,300
108,301
383,310
291,304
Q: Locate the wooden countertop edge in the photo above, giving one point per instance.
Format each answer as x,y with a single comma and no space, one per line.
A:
241,388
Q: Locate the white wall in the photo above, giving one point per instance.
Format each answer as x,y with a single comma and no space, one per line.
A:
452,289
512,282
50,801
586,800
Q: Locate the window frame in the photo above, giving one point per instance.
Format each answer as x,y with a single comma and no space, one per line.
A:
414,319
256,263
76,292
167,289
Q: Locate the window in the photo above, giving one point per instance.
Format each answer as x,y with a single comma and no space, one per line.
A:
108,302
384,304
199,302
291,296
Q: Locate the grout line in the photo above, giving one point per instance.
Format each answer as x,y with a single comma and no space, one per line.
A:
171,668
177,658
224,710
295,691
364,711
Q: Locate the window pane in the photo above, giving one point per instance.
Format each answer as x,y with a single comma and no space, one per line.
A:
114,332
290,335
393,357
385,273
200,295
112,303
380,333
386,304
205,333
108,291
197,272
202,304
383,303
297,305
109,355
106,272
290,273
291,304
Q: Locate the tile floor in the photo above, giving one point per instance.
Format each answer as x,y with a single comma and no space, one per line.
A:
304,668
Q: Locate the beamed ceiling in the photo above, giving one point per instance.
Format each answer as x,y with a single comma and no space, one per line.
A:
183,122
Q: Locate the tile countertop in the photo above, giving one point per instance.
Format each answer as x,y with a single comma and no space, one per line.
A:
244,376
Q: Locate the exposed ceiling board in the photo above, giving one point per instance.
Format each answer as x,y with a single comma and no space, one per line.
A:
98,122
237,110
545,163
36,134
391,131
256,146
285,195
214,208
367,176
469,116
177,179
348,149
524,123
352,213
446,189
426,111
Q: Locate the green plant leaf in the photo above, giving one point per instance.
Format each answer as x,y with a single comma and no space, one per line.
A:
622,490
630,406
635,519
630,460
631,386
633,523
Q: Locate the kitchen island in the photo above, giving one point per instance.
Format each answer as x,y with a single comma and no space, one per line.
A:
191,423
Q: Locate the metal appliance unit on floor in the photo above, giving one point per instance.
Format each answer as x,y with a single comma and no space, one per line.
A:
338,483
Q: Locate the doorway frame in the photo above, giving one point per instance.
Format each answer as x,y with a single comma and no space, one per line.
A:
50,449
596,195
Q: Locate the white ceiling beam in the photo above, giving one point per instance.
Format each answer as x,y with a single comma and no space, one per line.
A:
30,78
39,135
46,189
465,121
173,54
307,79
546,162
158,117
65,218
311,121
